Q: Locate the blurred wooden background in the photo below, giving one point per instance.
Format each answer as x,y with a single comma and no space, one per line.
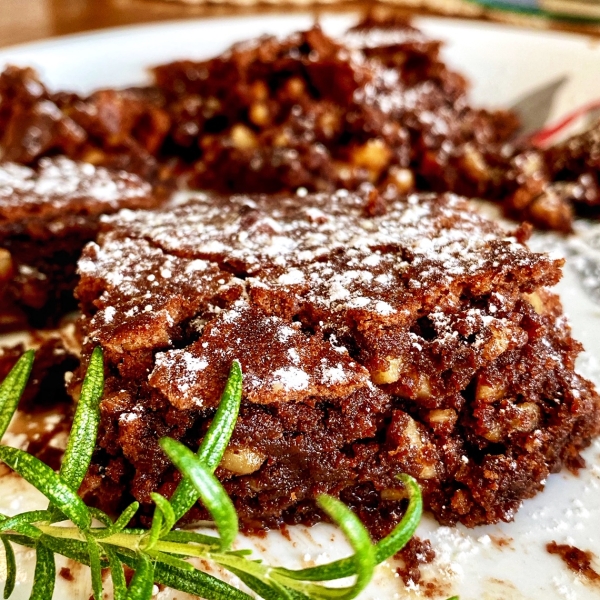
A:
27,20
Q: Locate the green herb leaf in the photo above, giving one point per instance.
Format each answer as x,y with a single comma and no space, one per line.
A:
44,575
73,549
399,537
142,583
358,536
152,536
166,509
116,573
12,389
100,515
120,524
198,583
23,522
11,568
95,553
384,549
21,540
264,590
290,593
192,537
173,561
42,477
84,430
216,439
209,489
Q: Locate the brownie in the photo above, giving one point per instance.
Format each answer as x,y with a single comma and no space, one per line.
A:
377,105
378,335
575,164
47,215
548,187
122,129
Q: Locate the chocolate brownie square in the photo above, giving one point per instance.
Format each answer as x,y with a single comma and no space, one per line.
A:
377,334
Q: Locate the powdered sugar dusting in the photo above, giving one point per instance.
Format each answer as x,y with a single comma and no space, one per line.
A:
297,367
58,182
327,245
290,378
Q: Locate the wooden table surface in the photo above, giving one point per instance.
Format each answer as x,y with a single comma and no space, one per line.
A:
27,20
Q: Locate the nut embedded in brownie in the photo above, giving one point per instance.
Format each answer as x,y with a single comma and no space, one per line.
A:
47,215
377,334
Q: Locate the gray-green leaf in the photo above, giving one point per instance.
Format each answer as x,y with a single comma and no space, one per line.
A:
12,389
42,477
84,431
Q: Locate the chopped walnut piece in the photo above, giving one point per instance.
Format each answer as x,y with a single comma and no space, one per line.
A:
391,373
6,266
243,138
551,211
242,461
528,416
374,155
486,392
402,179
442,416
474,163
536,301
259,114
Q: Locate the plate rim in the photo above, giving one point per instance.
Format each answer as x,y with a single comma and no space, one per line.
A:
147,27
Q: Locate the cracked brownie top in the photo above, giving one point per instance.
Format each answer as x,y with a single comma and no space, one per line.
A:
349,264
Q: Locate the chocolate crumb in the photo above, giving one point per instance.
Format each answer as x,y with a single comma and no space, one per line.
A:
416,553
66,573
579,561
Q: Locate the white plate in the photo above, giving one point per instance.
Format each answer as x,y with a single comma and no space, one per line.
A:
502,562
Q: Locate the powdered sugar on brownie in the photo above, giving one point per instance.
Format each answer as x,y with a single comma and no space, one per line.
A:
326,258
280,362
60,184
429,238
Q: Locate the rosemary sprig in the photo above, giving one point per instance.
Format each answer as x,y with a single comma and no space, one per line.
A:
159,555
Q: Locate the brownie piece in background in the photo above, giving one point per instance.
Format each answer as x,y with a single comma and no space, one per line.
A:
122,129
377,104
47,215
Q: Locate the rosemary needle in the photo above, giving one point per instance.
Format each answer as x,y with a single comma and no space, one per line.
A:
158,555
